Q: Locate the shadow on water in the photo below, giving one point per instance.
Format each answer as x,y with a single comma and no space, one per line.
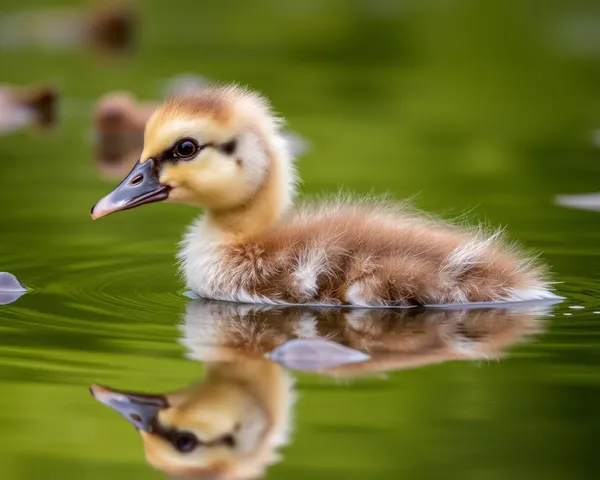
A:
233,421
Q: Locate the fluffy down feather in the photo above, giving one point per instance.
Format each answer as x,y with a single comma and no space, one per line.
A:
363,253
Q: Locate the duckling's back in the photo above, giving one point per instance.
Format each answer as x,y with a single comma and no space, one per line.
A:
364,253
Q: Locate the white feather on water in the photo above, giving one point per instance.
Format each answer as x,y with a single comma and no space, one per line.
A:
11,289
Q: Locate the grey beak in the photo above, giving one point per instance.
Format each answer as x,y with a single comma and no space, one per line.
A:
140,187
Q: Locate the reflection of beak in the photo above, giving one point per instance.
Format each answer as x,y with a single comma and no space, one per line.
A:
141,186
140,410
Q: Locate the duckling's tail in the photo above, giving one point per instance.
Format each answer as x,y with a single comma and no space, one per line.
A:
486,268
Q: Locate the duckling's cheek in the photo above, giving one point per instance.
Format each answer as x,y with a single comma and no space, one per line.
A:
174,175
181,194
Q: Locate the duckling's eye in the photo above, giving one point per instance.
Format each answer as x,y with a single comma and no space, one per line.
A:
185,442
185,149
229,147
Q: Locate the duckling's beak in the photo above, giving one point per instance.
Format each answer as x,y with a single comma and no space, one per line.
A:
141,186
139,409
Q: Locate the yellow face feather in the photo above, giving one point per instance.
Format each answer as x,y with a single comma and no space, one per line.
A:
243,189
218,113
212,179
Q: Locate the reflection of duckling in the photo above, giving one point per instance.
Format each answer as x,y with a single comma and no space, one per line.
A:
393,338
21,107
221,148
229,426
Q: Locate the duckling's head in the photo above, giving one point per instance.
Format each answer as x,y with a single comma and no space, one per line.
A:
213,430
219,147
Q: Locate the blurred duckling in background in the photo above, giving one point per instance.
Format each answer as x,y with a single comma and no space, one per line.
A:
221,148
119,120
21,107
109,29
232,424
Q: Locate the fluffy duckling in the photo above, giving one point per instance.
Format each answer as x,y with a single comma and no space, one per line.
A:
27,106
222,148
229,426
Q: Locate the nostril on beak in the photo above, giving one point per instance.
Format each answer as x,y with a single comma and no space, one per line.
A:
136,180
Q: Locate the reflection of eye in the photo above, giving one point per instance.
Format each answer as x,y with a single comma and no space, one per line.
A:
186,149
185,442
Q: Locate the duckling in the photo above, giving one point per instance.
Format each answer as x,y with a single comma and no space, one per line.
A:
113,29
27,106
221,148
230,426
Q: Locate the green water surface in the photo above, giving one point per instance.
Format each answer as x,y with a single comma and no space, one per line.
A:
483,108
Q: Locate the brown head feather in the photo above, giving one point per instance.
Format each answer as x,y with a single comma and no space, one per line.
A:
217,103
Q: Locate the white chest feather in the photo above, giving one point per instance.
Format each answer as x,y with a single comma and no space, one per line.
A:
209,273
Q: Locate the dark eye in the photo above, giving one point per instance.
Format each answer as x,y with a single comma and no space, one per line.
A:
186,149
229,147
185,442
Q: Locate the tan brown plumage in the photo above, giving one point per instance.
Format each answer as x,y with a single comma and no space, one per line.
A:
371,254
254,245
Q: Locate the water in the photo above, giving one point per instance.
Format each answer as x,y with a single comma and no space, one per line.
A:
488,111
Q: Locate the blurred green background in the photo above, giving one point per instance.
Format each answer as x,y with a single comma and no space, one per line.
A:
484,108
